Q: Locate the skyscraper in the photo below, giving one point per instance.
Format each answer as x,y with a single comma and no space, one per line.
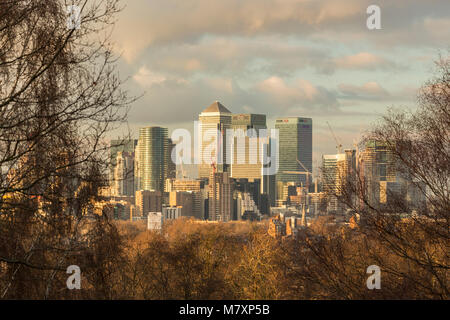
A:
193,186
220,196
123,182
151,159
295,143
148,201
336,169
215,118
124,145
377,167
246,162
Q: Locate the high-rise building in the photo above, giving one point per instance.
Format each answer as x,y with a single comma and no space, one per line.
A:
212,146
246,208
171,166
151,159
385,182
171,213
336,170
193,186
220,196
124,145
377,167
123,182
295,143
246,157
148,201
184,200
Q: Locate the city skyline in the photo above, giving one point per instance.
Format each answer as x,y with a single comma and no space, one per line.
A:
314,59
220,151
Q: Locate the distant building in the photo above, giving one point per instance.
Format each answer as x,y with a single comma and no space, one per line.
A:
123,210
387,186
317,203
253,189
123,181
183,200
171,213
284,191
193,186
124,145
336,171
154,221
283,226
295,143
215,118
148,201
246,157
151,159
376,164
247,208
171,169
220,191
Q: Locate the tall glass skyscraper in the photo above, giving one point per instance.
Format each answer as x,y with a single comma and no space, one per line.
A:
214,118
151,164
243,165
295,142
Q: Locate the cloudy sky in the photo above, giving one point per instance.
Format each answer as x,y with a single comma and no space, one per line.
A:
312,58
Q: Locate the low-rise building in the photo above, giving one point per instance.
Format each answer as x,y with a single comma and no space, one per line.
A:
155,221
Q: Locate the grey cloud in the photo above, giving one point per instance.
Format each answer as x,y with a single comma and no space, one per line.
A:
152,23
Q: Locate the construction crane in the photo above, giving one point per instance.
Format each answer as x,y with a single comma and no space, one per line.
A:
338,145
307,174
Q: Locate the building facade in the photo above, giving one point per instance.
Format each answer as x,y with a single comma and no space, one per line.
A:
148,201
151,159
220,199
123,182
295,143
212,146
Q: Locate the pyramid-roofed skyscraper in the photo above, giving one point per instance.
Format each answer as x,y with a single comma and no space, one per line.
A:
212,148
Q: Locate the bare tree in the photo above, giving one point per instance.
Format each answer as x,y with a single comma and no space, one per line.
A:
59,96
400,192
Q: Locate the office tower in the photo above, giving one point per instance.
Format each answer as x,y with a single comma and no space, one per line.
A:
151,159
171,213
385,181
193,186
377,167
123,181
378,162
184,200
268,183
171,166
148,201
246,157
253,189
295,143
246,207
220,196
336,170
124,145
212,148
